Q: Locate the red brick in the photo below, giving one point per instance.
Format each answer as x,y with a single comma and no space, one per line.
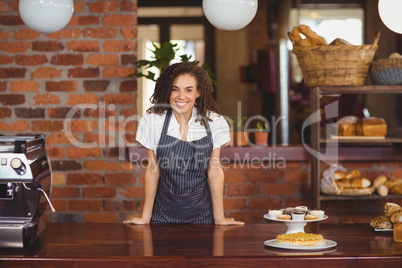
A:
14,47
83,126
122,72
128,33
5,59
296,176
14,5
119,20
292,202
234,203
125,166
5,112
4,35
119,178
100,112
263,203
132,205
83,46
100,33
243,190
47,46
24,86
26,34
47,72
55,152
59,205
3,7
84,205
102,217
20,125
57,138
46,99
98,139
128,59
264,175
12,72
233,176
84,20
47,125
101,7
98,192
109,205
124,99
75,152
59,192
96,85
100,165
67,59
133,192
84,179
397,173
106,59
133,111
12,99
119,46
62,112
61,86
247,216
11,20
78,6
30,59
128,6
80,72
3,86
87,98
279,189
66,34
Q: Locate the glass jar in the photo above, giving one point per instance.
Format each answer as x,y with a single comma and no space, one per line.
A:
398,231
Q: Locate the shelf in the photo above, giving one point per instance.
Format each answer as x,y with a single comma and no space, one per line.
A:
364,141
360,197
360,89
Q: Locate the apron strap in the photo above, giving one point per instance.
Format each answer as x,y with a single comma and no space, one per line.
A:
167,121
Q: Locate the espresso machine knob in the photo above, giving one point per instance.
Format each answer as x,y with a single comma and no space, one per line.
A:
18,166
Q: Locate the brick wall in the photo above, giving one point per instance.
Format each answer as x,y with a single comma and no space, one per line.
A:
43,76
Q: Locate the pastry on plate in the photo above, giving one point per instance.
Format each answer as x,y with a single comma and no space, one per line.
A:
381,222
300,238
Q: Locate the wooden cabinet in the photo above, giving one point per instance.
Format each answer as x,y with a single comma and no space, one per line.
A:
319,143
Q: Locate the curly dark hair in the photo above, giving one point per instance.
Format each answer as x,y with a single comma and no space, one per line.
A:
205,103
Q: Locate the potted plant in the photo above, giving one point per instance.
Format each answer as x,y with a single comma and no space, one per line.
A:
164,53
241,134
261,135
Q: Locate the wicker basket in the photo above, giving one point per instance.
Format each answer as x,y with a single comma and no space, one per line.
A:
336,65
386,71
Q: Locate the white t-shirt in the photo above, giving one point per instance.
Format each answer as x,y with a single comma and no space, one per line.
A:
150,129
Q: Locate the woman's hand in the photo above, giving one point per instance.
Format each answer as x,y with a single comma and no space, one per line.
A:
134,219
228,221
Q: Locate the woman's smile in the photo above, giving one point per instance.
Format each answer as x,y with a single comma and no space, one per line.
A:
183,95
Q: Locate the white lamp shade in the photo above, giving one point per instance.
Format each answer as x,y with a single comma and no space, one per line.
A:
391,14
230,15
46,16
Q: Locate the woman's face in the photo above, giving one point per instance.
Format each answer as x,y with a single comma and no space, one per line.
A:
183,95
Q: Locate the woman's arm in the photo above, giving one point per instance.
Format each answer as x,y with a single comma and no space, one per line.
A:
150,187
216,179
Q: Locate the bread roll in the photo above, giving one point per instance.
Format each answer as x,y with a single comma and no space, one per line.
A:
346,126
340,42
353,174
381,222
343,183
372,126
392,182
396,189
390,208
382,190
395,216
380,180
360,183
338,175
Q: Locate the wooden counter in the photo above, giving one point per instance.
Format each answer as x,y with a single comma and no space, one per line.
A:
118,245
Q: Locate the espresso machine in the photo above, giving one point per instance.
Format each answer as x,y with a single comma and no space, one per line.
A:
25,185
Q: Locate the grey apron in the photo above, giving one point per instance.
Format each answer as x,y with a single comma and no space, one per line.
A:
183,194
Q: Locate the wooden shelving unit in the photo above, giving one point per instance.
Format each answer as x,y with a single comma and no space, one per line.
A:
317,141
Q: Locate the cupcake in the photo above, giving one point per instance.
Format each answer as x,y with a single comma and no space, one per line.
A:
318,213
273,213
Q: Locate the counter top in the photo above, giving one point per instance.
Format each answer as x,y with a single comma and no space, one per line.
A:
84,244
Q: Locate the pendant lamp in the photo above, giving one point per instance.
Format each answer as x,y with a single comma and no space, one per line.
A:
46,16
390,14
229,15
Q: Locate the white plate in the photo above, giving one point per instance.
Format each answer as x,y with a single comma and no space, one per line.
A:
322,245
333,137
383,230
266,216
